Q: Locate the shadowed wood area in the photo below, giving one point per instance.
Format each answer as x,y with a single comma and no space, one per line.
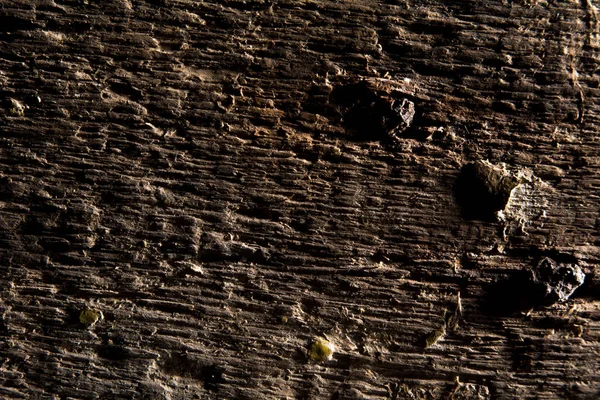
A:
299,199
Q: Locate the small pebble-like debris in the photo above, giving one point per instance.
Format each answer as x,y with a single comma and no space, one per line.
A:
557,280
15,107
321,350
404,113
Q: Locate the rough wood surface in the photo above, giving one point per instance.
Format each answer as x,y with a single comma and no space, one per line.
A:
185,169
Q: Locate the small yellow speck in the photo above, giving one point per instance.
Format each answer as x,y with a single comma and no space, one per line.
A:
89,316
321,350
435,336
284,320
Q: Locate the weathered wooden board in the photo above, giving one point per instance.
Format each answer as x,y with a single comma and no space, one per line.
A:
190,170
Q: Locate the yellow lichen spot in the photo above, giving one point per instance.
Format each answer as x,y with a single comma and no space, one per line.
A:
321,350
89,316
284,320
435,336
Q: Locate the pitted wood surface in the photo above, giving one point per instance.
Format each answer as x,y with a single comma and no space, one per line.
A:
183,168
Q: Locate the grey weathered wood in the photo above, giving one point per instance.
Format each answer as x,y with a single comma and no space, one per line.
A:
181,167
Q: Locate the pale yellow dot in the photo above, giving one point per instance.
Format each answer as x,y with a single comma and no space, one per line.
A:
321,350
89,317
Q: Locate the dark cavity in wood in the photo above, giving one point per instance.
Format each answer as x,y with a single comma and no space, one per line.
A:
483,189
542,285
373,115
557,281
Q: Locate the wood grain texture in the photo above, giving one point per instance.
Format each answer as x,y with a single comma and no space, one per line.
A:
183,168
